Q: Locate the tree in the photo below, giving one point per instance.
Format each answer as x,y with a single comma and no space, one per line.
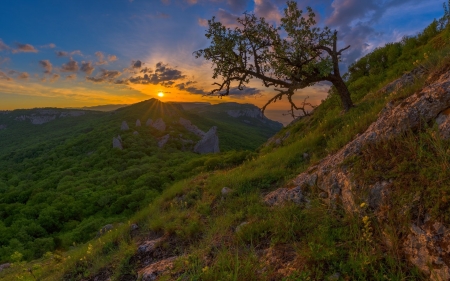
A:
293,56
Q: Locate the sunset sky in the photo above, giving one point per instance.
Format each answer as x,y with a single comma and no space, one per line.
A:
77,53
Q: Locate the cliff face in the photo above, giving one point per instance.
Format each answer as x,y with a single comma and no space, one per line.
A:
427,240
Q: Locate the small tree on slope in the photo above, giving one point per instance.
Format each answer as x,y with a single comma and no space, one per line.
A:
293,56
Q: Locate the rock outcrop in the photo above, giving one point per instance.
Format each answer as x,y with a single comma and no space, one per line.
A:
42,116
117,143
4,266
124,126
138,123
191,127
209,143
426,246
163,141
251,112
159,125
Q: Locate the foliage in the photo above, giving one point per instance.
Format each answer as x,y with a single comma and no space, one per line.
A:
259,50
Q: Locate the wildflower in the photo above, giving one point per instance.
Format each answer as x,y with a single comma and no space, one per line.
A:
205,269
363,205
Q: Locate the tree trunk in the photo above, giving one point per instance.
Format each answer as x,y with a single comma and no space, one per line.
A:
343,92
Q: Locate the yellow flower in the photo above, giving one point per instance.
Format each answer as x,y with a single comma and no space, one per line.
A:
205,269
363,205
365,219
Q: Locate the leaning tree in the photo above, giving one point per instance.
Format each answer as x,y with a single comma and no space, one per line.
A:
295,55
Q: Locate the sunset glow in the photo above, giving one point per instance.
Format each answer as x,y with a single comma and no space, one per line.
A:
116,64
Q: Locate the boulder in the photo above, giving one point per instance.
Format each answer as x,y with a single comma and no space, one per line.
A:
148,247
117,143
151,272
159,125
135,133
191,127
149,122
226,191
138,123
124,126
209,143
104,230
163,141
4,266
443,121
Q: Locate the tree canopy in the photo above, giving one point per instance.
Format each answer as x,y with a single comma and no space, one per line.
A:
294,55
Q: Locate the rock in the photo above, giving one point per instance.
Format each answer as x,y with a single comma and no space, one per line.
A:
104,230
138,123
124,126
405,80
4,266
117,143
149,122
159,125
425,247
334,277
443,121
135,133
282,195
151,272
149,246
209,143
250,112
134,227
191,128
2,127
162,141
226,191
378,194
239,227
305,156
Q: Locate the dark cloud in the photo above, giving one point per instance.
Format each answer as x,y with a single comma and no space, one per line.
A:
87,67
187,86
246,91
226,18
3,46
24,48
62,54
136,64
146,70
105,76
71,66
267,9
163,75
47,65
54,78
237,6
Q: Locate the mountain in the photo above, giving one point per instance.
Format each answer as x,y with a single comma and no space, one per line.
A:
360,195
106,107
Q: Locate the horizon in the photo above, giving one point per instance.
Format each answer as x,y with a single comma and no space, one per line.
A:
44,64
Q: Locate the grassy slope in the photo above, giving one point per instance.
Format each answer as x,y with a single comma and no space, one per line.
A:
202,225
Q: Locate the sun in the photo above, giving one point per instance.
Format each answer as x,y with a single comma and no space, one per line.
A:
160,94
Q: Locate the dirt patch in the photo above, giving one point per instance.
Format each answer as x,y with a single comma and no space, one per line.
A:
280,261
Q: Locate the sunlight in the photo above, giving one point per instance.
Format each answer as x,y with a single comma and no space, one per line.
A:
160,94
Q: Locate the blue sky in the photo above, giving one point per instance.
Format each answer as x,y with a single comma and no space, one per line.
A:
83,53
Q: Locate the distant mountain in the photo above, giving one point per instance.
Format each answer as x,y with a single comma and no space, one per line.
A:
106,107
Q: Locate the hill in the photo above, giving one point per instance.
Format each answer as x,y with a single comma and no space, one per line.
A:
362,195
61,180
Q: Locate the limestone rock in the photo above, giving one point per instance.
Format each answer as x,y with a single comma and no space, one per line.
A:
117,143
138,123
159,125
151,272
104,230
149,122
282,195
250,112
148,247
163,141
209,143
4,266
239,227
191,127
226,191
124,126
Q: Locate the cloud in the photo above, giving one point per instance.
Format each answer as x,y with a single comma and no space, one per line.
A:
47,65
49,46
190,89
237,5
4,76
268,10
112,57
101,58
71,66
202,22
226,18
246,91
163,75
62,54
104,76
87,67
54,77
3,46
136,64
24,48
146,70
71,77
23,76
76,52
158,15
166,2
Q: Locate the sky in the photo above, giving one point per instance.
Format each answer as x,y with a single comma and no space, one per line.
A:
76,53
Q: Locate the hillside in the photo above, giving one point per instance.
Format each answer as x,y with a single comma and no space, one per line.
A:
61,180
361,195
